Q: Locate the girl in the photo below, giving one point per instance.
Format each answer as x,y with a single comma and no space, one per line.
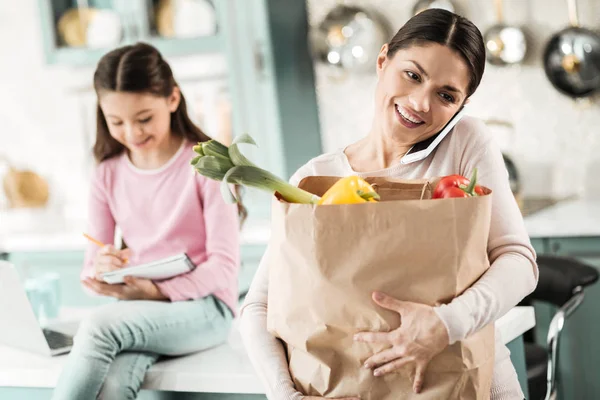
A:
426,73
145,185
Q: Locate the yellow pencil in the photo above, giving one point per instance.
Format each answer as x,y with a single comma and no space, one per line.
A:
91,239
97,242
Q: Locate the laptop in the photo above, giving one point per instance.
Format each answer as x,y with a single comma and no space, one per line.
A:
20,327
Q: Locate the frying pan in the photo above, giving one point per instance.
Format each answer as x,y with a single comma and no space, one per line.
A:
505,44
572,58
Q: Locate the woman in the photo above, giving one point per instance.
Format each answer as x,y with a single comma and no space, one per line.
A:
426,73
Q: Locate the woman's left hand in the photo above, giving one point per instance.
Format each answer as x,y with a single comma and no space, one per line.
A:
420,336
133,289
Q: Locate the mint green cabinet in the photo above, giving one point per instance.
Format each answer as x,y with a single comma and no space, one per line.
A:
580,344
273,87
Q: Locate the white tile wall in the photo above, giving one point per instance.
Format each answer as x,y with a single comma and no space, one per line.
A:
556,140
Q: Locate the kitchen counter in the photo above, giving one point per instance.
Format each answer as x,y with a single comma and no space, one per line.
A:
68,237
570,218
224,369
567,218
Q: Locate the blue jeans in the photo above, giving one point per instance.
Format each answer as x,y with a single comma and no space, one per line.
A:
115,346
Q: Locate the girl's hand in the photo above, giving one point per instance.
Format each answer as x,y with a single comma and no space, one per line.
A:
420,337
110,259
133,289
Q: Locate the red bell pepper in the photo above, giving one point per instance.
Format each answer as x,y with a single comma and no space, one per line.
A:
453,186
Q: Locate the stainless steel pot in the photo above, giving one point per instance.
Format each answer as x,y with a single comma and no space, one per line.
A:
505,44
572,58
349,38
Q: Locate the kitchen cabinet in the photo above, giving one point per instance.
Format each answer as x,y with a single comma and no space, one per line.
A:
579,347
79,32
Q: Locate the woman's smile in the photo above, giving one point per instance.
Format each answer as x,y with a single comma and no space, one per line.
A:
407,118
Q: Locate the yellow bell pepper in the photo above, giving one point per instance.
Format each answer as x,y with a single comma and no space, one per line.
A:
349,190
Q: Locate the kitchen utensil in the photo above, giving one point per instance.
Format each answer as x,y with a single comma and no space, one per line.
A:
572,58
505,44
350,38
423,5
24,188
73,25
185,18
104,30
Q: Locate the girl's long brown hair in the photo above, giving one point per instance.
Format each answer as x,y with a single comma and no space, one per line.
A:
140,68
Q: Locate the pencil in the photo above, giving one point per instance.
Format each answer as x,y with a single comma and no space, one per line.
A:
99,243
95,241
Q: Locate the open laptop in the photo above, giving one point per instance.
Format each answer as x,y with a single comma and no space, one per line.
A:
19,326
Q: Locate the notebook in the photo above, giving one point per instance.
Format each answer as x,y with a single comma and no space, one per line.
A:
164,268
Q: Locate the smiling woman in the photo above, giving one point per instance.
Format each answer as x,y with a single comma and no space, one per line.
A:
426,74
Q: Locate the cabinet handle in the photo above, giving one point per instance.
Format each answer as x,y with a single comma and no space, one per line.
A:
259,60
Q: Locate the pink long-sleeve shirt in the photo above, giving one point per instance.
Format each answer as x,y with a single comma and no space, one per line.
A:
164,212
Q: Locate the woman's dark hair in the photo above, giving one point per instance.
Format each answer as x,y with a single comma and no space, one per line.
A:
448,29
140,68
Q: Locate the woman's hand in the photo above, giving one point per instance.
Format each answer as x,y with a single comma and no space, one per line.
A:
133,289
110,259
420,336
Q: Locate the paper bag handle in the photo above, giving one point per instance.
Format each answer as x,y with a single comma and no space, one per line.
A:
425,185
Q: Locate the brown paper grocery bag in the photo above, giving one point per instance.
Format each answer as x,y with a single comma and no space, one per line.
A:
325,262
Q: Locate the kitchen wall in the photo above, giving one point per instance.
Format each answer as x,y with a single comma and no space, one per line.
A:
556,141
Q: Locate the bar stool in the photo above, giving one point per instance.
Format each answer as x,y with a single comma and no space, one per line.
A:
561,282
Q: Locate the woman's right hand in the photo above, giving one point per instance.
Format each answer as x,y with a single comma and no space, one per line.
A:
109,259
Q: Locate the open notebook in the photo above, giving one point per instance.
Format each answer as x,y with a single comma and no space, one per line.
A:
156,270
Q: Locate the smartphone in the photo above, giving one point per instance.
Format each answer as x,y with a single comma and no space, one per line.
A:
421,150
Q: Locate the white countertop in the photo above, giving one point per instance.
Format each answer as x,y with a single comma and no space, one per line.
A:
570,218
69,237
224,369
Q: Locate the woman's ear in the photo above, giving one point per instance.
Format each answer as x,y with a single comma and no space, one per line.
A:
174,99
382,58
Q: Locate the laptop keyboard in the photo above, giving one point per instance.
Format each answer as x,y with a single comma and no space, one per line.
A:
57,340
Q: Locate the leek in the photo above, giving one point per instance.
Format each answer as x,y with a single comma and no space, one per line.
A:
229,166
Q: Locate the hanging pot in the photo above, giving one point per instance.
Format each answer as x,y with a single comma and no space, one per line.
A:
572,58
423,5
505,44
349,38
